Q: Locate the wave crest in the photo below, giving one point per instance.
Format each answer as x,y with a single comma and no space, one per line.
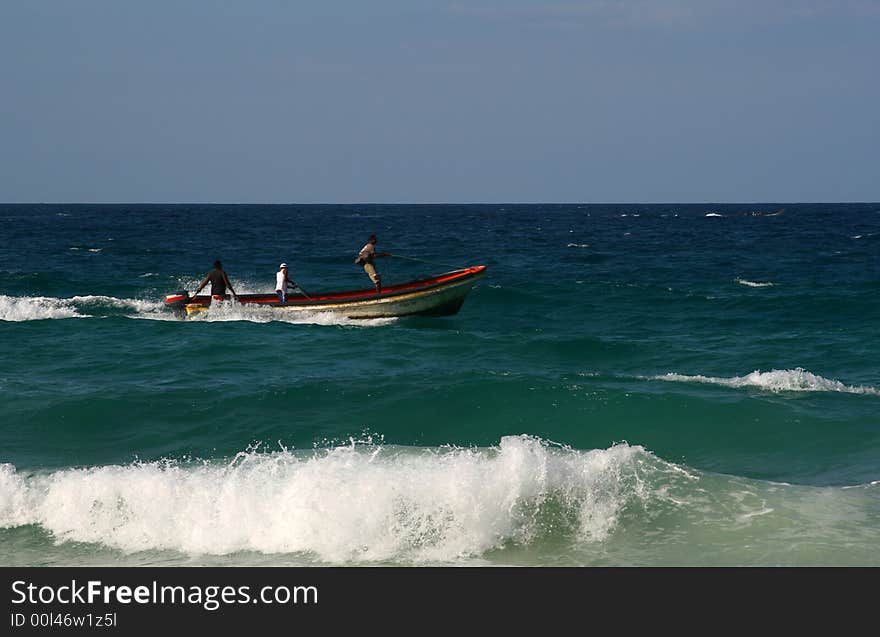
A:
356,503
754,284
776,380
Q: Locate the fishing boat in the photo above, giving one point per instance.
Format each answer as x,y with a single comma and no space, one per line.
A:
439,295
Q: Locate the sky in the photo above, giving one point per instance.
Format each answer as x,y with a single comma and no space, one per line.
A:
433,101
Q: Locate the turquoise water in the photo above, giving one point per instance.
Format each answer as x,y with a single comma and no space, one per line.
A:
628,385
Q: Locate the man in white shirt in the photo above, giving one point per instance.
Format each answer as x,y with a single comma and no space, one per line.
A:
282,282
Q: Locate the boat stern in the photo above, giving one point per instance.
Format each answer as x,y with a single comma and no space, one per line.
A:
176,302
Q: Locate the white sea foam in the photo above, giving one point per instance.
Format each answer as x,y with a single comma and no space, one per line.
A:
713,214
37,308
355,503
775,380
111,301
754,284
231,311
578,245
34,308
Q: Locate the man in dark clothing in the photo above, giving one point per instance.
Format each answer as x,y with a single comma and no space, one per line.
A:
219,282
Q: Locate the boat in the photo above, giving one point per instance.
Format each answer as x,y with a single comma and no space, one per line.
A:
438,295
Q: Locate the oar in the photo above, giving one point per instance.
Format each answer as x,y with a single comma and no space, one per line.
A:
296,286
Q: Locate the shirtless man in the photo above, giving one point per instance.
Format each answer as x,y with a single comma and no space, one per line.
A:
219,283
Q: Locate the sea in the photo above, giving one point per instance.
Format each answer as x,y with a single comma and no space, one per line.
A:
638,385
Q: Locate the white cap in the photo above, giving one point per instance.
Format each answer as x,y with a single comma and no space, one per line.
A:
283,265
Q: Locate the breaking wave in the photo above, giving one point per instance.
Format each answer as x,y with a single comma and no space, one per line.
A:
775,380
355,503
754,284
365,503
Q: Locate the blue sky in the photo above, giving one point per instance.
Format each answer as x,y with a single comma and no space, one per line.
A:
436,101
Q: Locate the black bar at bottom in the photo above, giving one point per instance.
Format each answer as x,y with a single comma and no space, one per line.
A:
128,600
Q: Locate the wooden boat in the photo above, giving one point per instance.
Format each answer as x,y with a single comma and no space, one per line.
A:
439,295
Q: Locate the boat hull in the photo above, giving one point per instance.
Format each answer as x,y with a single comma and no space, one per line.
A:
442,295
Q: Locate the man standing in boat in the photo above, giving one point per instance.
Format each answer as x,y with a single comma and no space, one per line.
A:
282,282
365,258
219,282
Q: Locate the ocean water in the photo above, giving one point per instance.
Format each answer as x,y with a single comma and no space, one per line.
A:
648,385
